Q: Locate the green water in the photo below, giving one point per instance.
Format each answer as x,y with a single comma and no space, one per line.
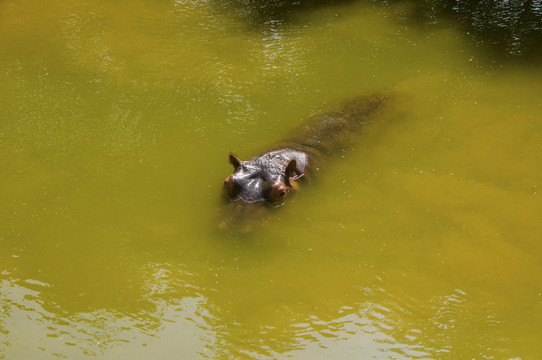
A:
116,120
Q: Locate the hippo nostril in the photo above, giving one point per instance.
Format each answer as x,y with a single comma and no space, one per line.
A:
282,193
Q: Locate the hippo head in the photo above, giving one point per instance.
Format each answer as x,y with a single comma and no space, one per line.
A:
265,178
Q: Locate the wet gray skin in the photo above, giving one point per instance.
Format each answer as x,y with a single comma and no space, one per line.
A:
266,177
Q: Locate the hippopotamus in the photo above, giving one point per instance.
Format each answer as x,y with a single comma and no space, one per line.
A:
268,177
266,180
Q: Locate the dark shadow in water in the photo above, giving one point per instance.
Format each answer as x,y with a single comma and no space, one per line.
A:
257,12
506,29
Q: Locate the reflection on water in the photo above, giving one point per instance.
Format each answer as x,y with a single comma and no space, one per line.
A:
58,333
116,122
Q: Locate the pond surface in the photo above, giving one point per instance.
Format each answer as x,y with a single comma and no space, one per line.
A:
116,121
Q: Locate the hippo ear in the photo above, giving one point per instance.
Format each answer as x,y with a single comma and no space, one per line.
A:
290,171
235,161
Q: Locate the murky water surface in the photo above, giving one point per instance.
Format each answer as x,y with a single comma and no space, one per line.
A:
116,119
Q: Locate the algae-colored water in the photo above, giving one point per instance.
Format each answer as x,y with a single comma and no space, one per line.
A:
116,119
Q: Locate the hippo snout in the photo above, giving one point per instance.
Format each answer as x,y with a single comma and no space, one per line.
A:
229,186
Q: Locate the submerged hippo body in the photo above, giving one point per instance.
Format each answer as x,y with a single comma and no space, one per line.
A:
266,180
